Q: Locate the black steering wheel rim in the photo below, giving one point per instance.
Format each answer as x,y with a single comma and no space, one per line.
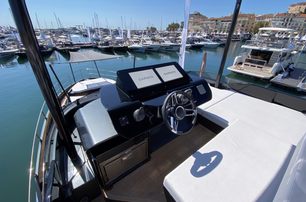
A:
178,108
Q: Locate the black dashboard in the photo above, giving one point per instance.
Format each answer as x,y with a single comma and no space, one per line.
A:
151,81
134,103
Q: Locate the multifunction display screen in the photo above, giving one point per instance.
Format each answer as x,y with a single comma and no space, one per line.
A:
144,78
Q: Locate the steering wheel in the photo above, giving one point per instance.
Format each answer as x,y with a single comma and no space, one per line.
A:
179,112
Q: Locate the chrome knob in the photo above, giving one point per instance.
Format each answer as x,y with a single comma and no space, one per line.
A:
139,114
188,92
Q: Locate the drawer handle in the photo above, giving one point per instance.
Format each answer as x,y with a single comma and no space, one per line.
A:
127,156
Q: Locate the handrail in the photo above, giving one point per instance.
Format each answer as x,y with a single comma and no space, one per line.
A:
49,181
43,121
94,70
269,44
35,137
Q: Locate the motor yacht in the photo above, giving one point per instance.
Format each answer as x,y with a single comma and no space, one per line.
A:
267,54
150,45
136,46
207,43
66,47
167,45
7,53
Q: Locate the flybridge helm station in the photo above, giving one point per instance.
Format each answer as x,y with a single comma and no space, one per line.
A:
141,100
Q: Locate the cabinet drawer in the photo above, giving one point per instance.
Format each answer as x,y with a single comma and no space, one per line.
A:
124,161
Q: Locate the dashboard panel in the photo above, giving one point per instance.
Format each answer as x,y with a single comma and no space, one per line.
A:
134,103
151,81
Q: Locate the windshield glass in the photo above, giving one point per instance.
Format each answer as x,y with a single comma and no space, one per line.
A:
269,48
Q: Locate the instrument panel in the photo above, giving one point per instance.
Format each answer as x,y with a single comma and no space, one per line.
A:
151,81
134,103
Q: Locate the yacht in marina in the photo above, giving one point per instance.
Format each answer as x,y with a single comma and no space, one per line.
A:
136,46
66,47
207,43
7,49
7,53
46,50
105,45
157,133
150,45
271,51
167,45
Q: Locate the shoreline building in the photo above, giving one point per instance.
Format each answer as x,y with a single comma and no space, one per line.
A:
297,8
245,23
196,22
296,21
264,18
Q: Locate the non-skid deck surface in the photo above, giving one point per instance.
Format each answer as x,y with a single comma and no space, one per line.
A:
146,182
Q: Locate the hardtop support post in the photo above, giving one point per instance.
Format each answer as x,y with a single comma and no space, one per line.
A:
27,35
228,42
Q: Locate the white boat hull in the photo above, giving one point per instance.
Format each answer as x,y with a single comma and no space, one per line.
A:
7,53
152,47
139,49
211,45
172,48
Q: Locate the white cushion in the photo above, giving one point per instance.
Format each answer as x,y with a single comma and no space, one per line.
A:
89,84
247,160
217,96
247,169
283,123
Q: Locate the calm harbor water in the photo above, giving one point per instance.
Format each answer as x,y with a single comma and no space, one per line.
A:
20,102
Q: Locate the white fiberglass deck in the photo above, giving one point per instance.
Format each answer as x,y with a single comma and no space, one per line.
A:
255,70
247,160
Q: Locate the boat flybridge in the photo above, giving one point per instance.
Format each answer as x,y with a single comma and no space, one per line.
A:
270,52
157,133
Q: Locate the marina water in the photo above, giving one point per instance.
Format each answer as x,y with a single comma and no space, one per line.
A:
21,99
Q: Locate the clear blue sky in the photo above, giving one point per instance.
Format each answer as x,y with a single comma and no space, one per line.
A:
134,12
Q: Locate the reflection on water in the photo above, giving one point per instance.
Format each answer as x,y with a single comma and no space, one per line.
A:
7,62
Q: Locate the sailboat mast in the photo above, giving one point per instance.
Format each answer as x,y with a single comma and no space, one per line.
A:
121,27
37,21
161,23
56,20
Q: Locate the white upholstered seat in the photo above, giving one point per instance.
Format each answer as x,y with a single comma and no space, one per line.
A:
247,160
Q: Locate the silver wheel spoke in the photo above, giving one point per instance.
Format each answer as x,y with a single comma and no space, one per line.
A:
176,123
174,99
190,112
187,104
